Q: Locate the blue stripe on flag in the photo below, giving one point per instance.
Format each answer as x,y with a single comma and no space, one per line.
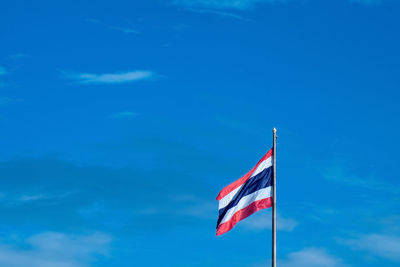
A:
255,183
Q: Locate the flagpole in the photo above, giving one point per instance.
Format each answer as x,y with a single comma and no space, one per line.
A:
274,201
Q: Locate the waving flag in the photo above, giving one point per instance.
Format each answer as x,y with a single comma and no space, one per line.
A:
247,195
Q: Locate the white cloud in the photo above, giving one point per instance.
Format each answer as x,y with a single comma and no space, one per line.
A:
18,56
3,71
124,115
368,2
6,100
340,174
311,257
222,4
188,205
117,28
263,220
384,246
31,197
111,78
219,13
50,249
123,29
247,4
202,210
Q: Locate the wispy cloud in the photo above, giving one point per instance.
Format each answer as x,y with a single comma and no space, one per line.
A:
6,100
31,197
219,13
201,210
384,246
3,71
110,78
340,174
123,186
224,4
311,257
128,30
124,115
52,249
368,2
391,223
248,4
18,56
262,220
188,205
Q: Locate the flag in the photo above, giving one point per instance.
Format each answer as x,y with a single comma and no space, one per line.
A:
247,195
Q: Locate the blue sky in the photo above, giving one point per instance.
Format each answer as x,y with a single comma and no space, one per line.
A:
120,121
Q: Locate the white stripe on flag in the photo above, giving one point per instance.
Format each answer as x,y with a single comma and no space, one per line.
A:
247,200
228,198
263,165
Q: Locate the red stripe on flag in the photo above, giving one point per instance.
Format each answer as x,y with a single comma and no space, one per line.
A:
225,191
244,213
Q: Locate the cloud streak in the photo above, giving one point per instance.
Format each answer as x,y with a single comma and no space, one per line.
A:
262,220
52,249
121,193
219,13
31,197
224,4
3,71
339,174
124,115
111,78
248,4
384,246
27,199
311,257
369,2
6,100
116,28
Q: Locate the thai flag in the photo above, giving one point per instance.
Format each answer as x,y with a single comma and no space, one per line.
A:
247,195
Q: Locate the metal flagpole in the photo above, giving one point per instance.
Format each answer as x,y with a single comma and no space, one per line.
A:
274,201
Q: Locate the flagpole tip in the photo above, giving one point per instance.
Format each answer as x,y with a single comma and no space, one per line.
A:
274,130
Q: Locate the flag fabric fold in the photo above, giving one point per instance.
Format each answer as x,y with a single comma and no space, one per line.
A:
247,195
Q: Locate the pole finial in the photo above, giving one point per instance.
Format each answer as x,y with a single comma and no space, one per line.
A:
274,130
